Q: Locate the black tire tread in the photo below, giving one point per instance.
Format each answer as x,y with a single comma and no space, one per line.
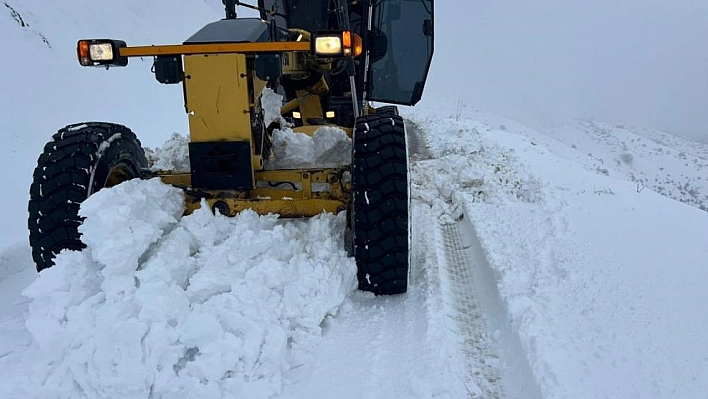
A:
61,182
380,204
387,110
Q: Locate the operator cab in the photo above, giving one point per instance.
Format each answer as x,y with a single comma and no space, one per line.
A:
397,38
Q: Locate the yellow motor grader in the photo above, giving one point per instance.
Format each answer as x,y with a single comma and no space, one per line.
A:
329,59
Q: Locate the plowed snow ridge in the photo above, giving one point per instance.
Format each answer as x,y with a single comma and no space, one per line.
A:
489,347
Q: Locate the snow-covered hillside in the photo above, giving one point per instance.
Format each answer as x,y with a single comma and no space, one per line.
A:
670,165
45,89
562,263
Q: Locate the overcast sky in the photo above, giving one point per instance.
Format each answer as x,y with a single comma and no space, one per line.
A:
539,61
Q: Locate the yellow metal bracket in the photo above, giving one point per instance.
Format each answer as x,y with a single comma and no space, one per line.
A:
307,193
186,49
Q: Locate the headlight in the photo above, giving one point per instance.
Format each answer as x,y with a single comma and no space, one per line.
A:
101,52
328,45
337,44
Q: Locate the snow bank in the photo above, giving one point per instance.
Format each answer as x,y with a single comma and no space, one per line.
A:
603,283
166,307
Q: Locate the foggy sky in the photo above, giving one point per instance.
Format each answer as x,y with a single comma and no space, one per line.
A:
541,61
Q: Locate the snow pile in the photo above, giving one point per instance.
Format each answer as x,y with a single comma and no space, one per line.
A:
328,147
173,155
203,306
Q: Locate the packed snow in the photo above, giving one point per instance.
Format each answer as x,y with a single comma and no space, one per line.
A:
553,263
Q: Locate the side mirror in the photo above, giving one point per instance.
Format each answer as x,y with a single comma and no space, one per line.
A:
379,44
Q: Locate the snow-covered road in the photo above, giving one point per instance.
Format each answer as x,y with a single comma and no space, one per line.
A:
533,276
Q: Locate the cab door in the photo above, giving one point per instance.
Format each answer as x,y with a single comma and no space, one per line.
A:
404,28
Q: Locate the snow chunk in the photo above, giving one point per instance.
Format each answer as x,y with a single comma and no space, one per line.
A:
123,222
332,147
328,147
173,155
271,103
203,306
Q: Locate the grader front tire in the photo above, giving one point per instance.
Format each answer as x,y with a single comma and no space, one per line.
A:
380,204
80,160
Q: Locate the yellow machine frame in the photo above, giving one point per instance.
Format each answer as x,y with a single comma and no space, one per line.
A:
220,93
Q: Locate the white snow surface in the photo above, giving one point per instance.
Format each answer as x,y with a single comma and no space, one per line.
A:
585,287
602,283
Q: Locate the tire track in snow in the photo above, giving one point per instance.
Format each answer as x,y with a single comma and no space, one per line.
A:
388,347
461,291
417,147
496,365
500,358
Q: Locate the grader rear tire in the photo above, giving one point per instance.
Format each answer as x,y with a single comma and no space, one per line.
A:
80,160
387,110
380,204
